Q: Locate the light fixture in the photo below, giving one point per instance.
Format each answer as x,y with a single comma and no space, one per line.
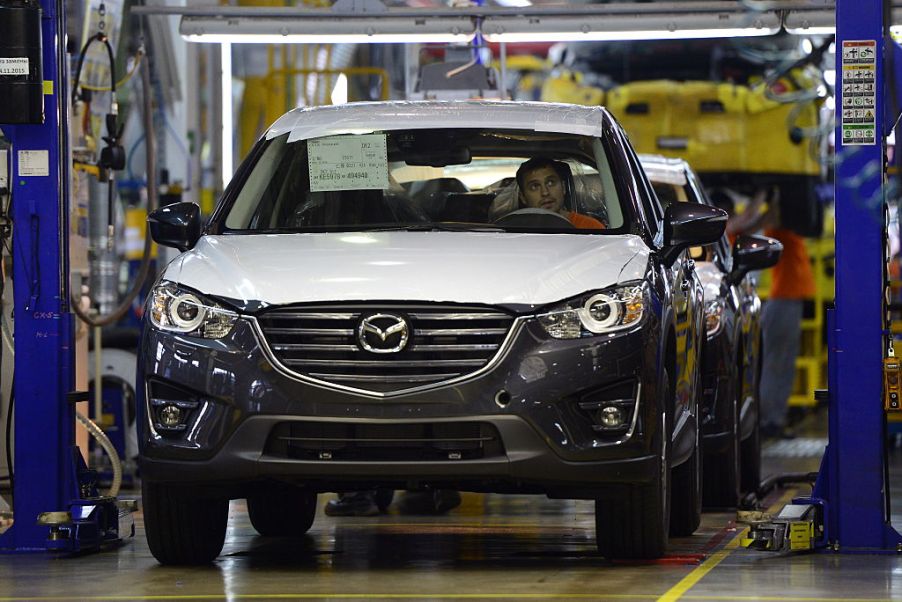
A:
520,28
810,23
337,30
823,22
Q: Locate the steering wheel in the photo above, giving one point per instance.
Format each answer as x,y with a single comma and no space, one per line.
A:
535,218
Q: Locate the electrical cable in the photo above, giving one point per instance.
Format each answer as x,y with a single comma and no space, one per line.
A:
144,269
750,500
98,37
108,447
139,56
816,56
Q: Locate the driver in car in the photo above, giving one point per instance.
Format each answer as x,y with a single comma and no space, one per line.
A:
542,184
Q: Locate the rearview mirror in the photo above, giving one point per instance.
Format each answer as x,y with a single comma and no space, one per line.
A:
689,224
754,253
440,157
176,225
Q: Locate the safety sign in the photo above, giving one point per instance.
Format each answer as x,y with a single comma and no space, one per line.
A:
858,92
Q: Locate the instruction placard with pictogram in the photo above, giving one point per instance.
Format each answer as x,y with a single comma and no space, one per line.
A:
859,92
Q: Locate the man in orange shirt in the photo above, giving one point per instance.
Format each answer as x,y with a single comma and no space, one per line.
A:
781,326
792,282
542,184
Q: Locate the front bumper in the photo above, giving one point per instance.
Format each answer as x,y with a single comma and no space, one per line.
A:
546,440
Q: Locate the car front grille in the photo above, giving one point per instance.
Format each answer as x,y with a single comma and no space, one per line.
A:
444,343
399,442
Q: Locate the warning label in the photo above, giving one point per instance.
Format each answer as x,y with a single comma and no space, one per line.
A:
34,163
858,92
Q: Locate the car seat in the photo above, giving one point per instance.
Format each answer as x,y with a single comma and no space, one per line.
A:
431,195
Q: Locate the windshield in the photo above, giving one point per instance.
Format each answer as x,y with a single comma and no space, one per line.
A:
459,179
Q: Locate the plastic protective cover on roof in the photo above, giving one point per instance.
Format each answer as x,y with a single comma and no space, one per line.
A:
364,117
664,170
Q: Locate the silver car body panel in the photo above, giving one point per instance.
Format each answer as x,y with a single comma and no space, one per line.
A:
455,267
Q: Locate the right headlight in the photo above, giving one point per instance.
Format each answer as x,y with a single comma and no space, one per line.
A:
186,312
596,313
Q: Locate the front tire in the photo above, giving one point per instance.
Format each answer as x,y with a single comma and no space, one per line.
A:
182,527
635,524
285,512
721,467
686,505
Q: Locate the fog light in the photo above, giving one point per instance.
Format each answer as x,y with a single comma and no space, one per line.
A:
611,417
170,416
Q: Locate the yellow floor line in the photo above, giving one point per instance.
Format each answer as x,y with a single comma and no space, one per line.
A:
686,583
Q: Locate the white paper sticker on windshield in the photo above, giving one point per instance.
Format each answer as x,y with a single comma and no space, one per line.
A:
348,163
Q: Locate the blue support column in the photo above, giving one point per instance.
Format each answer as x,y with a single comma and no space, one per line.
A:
853,478
44,421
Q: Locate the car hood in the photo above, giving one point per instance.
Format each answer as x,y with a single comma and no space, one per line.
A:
455,267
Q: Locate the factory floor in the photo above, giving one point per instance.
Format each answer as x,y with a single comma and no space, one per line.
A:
492,547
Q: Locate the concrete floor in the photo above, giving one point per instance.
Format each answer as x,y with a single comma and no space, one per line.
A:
492,547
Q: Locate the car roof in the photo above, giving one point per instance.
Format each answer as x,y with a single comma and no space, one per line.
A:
315,122
665,170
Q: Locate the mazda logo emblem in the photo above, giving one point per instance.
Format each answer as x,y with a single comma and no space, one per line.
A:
383,333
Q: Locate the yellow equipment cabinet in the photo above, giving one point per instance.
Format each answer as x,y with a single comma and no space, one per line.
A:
568,86
702,122
719,128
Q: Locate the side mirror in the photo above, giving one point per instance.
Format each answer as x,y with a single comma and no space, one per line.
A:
176,225
690,224
754,253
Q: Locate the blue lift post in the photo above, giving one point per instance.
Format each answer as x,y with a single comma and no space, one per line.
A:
49,473
852,489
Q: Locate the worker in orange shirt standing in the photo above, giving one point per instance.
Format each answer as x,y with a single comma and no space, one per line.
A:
781,318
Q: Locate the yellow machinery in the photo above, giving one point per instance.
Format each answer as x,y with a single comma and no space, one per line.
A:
525,75
568,86
719,128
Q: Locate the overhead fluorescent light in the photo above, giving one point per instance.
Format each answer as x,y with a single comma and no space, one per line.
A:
514,3
611,36
609,28
823,22
827,31
337,30
811,23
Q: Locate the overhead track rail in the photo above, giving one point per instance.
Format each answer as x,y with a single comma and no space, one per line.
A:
363,21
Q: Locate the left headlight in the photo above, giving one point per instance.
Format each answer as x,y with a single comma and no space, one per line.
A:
597,313
186,312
